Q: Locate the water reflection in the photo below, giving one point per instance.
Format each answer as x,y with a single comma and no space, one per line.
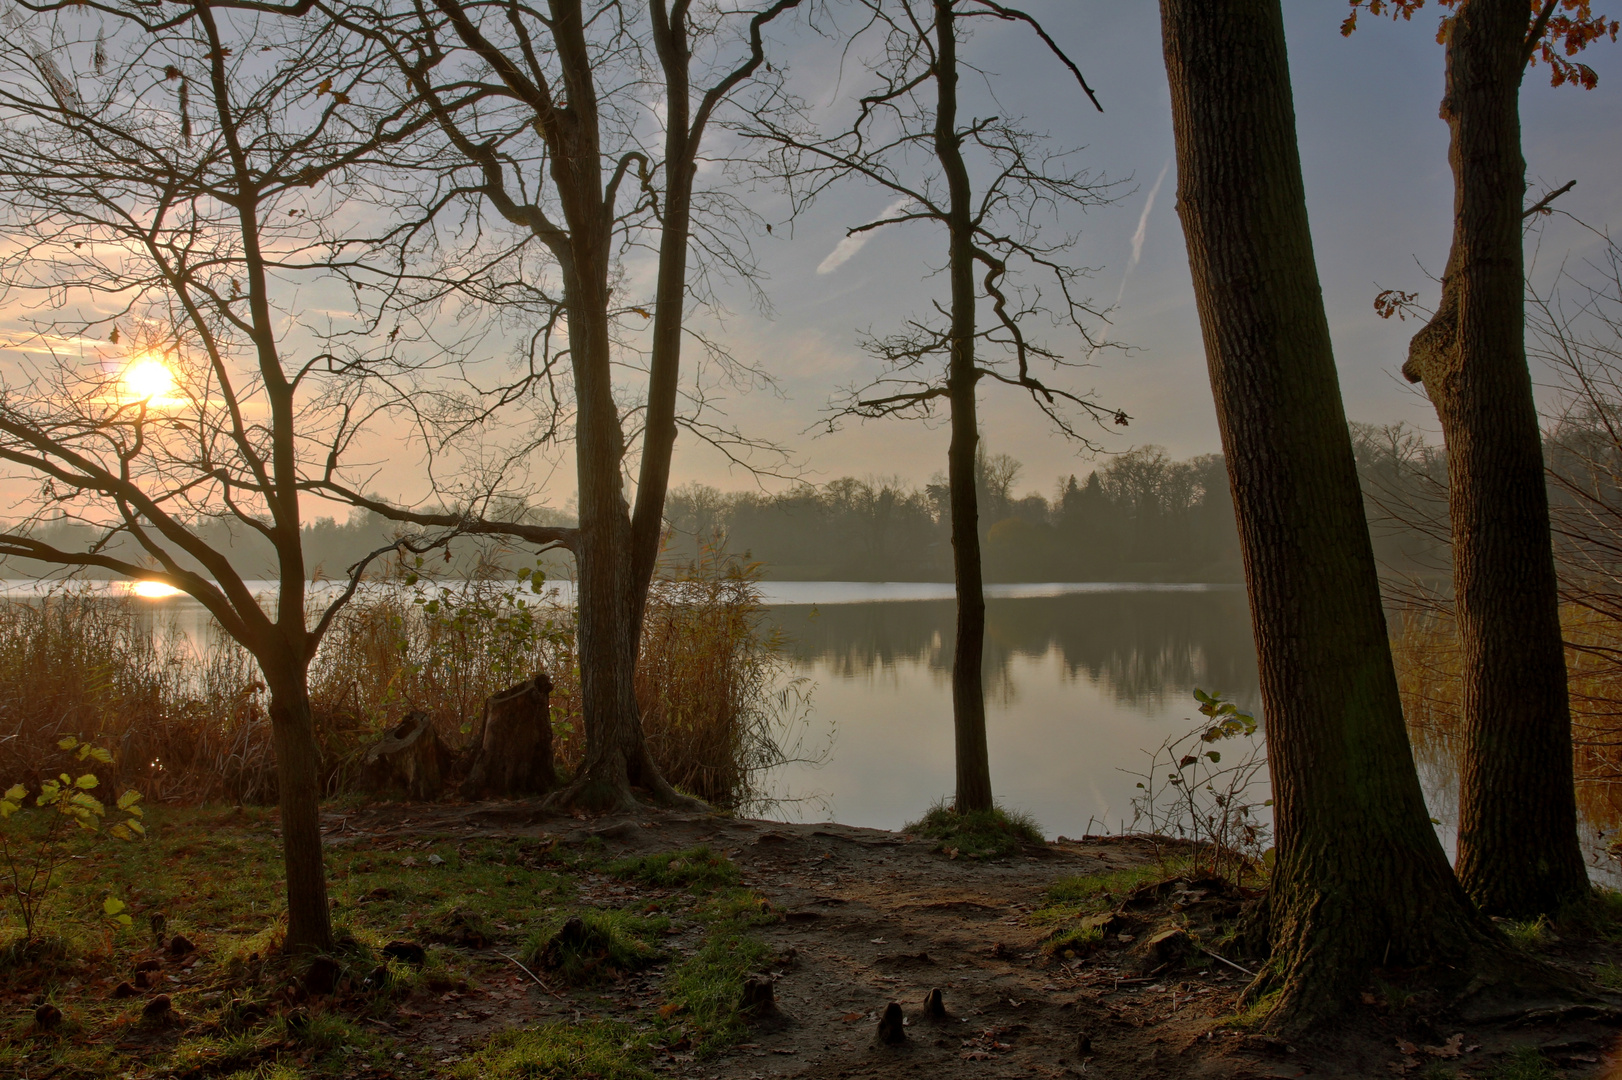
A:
1141,647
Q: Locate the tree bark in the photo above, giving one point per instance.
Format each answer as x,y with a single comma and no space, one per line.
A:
515,755
298,788
1360,879
1518,848
968,691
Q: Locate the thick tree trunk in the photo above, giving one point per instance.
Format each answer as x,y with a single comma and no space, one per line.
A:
298,784
1360,879
968,691
514,756
1518,847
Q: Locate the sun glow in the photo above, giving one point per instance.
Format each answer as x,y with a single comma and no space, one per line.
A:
148,378
153,590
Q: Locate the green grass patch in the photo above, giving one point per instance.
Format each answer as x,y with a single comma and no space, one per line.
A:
979,834
1524,1063
592,944
1529,934
600,1050
744,907
1075,941
707,987
697,868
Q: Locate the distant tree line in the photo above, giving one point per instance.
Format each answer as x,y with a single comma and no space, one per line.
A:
1140,516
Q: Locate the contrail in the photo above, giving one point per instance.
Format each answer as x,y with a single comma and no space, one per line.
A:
1138,237
850,245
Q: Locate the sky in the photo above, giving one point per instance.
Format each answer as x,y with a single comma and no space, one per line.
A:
1379,192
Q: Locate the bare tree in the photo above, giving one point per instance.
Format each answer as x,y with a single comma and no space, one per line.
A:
171,186
549,116
987,183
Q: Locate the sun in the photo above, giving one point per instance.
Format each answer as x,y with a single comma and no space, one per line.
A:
149,379
153,590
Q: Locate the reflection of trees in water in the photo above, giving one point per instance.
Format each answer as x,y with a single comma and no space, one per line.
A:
1142,646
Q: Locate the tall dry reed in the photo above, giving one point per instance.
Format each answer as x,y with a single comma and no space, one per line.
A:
1429,661
189,719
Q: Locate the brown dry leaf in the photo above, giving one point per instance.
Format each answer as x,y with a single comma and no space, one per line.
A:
851,1018
1450,1049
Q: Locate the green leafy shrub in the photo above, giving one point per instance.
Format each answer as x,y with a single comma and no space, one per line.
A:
35,846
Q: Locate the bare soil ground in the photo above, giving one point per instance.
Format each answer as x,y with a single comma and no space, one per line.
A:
871,917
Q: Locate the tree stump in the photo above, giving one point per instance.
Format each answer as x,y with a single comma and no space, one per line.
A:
410,757
514,752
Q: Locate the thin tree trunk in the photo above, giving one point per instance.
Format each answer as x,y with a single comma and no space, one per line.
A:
1360,879
298,786
1518,849
968,692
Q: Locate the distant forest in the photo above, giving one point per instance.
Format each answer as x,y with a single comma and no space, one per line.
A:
1137,516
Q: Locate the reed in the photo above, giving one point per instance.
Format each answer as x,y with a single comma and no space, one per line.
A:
189,720
1429,661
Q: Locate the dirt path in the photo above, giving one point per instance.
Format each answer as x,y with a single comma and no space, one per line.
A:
871,917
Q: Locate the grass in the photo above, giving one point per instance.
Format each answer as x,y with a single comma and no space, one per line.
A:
1524,1063
591,945
979,834
601,1051
697,868
1528,934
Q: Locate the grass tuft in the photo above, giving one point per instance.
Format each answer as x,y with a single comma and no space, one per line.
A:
707,988
979,834
1524,1063
697,868
592,945
602,1051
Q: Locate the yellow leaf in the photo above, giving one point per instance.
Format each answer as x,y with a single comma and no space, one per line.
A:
129,799
324,88
136,827
87,781
102,755
120,832
8,808
67,743
112,905
124,920
17,793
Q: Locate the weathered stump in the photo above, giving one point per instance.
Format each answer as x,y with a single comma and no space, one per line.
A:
410,757
514,752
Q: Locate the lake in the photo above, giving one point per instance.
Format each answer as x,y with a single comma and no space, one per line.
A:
1082,680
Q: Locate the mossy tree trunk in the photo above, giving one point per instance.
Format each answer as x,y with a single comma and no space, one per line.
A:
1360,879
1518,849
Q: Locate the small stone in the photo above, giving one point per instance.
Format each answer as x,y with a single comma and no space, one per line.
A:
934,1007
180,945
47,1017
158,1008
407,952
892,1029
124,990
321,978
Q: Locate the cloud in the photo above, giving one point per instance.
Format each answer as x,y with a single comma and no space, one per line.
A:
847,248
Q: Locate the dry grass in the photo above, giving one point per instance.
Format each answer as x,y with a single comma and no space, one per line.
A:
189,725
1426,649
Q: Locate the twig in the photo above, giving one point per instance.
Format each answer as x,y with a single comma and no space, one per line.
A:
1543,203
538,980
1225,960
